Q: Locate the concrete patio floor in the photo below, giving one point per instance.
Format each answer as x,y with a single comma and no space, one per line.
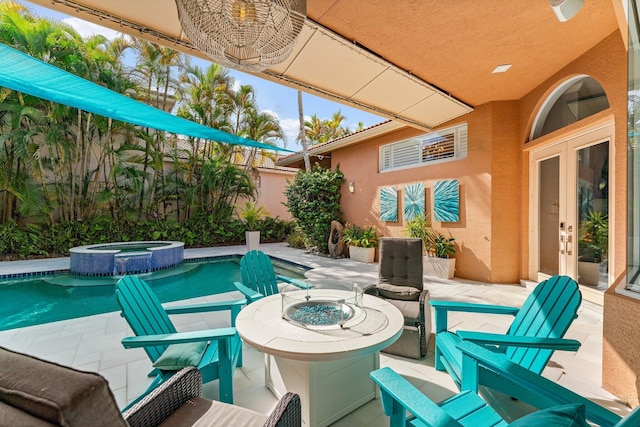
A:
93,343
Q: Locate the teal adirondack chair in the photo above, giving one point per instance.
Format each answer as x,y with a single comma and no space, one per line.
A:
468,409
259,278
535,333
215,352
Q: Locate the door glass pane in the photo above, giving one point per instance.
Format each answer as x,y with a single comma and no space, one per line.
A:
549,215
592,209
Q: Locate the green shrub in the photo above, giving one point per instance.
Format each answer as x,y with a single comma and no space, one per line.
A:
364,237
296,239
313,198
203,231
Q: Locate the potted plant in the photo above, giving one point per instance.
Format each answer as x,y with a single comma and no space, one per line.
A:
251,214
438,249
362,242
593,245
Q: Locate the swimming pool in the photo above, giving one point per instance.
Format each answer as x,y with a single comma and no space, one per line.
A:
33,301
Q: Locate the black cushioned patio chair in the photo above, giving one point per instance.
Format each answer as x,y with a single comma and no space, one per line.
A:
400,281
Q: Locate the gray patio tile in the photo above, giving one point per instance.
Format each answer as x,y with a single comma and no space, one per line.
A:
137,380
52,344
116,376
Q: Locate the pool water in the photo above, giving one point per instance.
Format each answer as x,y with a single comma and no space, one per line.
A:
33,301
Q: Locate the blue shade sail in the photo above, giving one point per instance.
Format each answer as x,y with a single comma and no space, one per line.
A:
23,73
446,201
388,204
413,201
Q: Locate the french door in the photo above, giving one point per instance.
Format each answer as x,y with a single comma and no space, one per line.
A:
569,217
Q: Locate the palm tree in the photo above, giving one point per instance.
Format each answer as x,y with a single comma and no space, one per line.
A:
154,66
302,136
206,100
262,127
315,130
243,105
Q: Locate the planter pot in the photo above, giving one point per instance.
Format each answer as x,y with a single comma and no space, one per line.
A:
253,240
439,267
360,254
588,273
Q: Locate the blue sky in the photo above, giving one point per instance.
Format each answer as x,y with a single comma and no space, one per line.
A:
277,99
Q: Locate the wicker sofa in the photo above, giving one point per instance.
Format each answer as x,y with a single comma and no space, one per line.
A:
38,393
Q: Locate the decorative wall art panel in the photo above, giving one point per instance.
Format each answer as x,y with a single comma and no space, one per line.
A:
413,201
388,204
446,201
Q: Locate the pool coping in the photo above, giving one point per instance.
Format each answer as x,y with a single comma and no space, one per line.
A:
62,265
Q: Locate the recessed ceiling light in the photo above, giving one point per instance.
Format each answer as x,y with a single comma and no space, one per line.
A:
501,68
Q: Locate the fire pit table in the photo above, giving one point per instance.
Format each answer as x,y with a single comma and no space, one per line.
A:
322,342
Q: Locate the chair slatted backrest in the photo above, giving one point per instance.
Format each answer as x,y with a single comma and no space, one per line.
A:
143,311
258,273
547,313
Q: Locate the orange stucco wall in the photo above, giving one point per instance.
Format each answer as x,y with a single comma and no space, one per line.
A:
476,237
621,347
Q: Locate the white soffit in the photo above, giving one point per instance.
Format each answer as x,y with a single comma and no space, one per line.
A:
331,65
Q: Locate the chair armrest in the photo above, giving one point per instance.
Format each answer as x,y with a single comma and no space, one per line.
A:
442,309
520,341
178,337
206,307
297,282
287,413
473,308
542,392
371,290
164,400
399,396
248,292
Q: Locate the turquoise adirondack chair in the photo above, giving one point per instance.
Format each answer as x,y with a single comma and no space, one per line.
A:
467,408
259,278
215,352
535,333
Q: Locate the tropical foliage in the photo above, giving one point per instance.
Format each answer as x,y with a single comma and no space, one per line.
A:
318,131
251,214
313,199
364,237
594,237
61,165
434,242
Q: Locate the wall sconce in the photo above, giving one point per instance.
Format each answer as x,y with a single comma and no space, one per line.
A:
565,9
352,187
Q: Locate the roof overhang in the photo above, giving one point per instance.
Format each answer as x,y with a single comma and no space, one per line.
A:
323,63
325,149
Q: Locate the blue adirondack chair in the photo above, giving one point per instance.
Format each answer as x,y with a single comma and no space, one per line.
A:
535,333
215,352
467,408
259,278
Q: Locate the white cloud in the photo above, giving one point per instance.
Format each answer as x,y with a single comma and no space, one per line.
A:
291,128
88,29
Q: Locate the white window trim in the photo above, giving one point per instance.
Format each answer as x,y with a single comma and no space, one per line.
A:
460,149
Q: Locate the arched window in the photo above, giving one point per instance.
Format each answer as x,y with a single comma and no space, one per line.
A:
575,99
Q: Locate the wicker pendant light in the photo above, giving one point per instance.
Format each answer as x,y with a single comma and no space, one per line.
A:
248,35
